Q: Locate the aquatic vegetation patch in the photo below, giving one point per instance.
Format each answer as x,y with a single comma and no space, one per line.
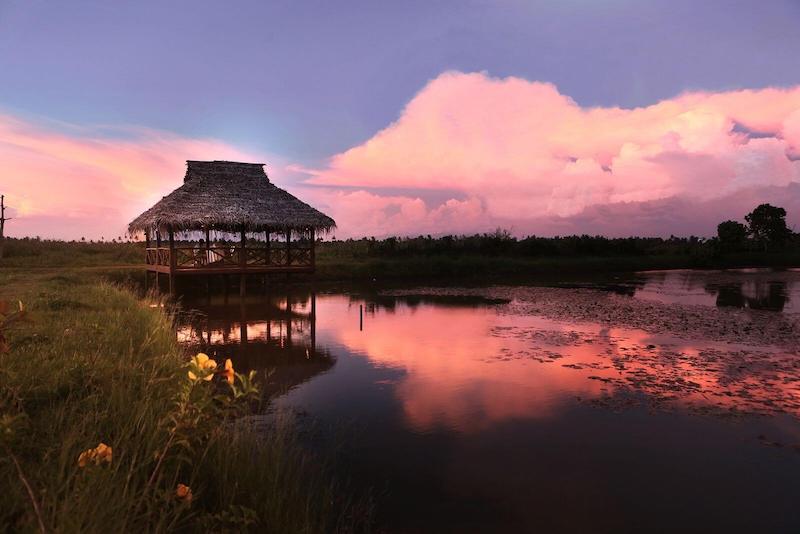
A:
709,378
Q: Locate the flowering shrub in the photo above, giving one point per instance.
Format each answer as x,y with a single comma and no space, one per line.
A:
209,398
201,410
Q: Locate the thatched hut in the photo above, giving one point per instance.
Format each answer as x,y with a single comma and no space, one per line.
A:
228,218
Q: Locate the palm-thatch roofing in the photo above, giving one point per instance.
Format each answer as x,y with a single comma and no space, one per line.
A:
224,195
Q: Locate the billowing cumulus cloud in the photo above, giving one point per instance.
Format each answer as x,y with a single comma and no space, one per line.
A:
471,152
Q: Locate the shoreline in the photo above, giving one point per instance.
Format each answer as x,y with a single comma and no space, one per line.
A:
95,363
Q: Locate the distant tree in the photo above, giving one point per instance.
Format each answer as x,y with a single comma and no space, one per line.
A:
732,235
767,225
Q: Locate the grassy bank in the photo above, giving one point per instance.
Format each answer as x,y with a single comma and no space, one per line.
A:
93,364
36,253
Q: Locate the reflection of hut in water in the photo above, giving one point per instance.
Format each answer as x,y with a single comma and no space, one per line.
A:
256,227
277,336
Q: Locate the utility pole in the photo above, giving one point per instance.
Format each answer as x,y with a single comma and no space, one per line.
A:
3,220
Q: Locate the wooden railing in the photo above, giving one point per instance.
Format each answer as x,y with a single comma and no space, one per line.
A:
157,256
188,258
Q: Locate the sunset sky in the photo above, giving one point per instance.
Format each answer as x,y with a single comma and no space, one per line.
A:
617,117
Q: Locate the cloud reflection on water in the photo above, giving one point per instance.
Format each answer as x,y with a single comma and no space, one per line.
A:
468,368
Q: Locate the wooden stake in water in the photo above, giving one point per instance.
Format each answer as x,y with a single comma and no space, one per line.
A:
361,317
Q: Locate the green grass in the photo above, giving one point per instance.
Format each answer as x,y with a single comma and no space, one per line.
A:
37,253
96,364
475,258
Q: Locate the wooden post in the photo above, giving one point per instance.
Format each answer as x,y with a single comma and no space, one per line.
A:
267,257
146,256
157,275
172,262
243,324
208,247
288,319
243,263
268,247
3,220
207,262
146,260
158,258
313,250
270,317
288,247
313,323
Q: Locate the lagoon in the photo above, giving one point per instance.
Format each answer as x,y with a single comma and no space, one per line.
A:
652,401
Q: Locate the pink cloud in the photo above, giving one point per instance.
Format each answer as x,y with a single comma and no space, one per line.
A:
520,154
66,182
469,153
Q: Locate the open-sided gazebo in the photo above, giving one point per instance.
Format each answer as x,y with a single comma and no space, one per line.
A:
228,218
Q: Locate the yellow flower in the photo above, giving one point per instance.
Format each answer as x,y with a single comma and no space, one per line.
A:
184,493
204,362
101,453
228,372
201,367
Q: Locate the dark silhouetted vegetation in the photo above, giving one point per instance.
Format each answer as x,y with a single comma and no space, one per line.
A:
502,243
767,227
732,235
764,241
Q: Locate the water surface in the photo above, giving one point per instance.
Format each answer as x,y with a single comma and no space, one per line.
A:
523,409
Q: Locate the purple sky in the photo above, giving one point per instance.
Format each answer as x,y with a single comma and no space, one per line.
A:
305,81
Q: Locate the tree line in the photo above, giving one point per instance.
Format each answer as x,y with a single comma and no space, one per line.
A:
765,230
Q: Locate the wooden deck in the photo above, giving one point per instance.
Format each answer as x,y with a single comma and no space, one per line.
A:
230,260
226,260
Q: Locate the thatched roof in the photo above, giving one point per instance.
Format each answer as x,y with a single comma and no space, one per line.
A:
224,195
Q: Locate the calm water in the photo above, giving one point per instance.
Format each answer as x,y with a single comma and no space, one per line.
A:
463,414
